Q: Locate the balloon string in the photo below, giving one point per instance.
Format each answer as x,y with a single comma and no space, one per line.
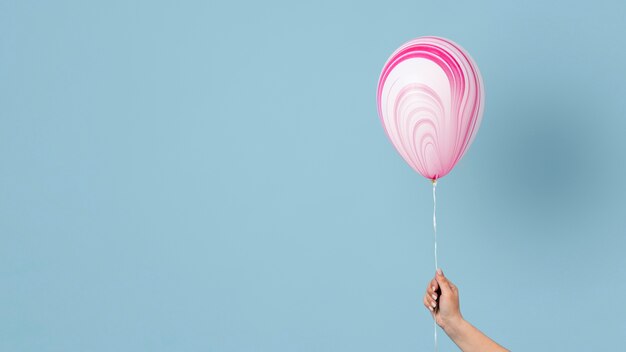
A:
436,264
435,219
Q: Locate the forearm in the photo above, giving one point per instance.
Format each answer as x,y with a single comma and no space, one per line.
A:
470,339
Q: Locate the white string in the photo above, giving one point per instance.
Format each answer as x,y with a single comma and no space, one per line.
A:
435,219
436,264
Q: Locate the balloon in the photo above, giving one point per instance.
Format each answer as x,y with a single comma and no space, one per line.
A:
430,100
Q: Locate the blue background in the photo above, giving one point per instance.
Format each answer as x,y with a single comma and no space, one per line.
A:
213,176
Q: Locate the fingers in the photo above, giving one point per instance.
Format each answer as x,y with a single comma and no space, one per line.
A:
431,289
439,285
443,282
429,302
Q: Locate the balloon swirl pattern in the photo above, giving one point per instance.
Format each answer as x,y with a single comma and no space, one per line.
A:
430,101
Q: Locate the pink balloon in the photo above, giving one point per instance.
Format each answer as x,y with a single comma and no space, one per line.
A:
430,100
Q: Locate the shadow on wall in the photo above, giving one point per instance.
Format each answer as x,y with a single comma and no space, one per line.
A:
547,152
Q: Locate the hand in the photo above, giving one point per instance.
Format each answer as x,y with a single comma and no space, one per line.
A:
442,299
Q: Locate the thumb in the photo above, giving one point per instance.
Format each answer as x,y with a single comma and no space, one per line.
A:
443,282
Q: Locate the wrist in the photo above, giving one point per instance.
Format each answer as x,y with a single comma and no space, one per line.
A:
455,326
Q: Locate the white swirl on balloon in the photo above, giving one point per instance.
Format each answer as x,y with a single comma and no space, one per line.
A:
430,100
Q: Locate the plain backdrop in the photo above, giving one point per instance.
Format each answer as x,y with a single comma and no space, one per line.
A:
213,176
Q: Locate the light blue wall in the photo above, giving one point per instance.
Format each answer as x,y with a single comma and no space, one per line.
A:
203,176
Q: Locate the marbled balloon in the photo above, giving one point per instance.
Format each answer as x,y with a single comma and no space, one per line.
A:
430,100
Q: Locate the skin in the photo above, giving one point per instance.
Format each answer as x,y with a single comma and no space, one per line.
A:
442,300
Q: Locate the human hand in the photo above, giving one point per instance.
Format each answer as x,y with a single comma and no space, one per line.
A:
442,299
